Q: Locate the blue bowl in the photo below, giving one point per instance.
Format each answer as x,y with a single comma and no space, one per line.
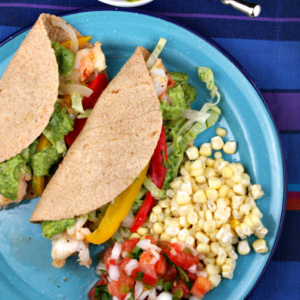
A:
25,264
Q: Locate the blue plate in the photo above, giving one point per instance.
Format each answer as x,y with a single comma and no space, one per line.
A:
25,263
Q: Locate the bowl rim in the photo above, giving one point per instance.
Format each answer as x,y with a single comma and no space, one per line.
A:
237,65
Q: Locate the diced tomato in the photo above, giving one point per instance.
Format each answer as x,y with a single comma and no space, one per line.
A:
124,262
152,239
91,294
180,285
163,245
182,259
171,82
176,246
170,274
161,266
200,287
106,256
146,258
128,245
135,271
121,287
192,276
150,277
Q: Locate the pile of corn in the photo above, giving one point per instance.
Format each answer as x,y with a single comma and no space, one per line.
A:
211,207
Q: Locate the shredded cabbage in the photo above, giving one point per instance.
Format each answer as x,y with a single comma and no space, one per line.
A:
77,106
154,55
156,193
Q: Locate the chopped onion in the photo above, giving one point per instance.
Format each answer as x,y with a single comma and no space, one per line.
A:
138,289
201,273
146,244
165,296
115,298
152,295
100,267
128,221
155,253
114,272
132,264
193,250
173,251
144,295
70,31
116,251
79,89
193,269
128,296
194,298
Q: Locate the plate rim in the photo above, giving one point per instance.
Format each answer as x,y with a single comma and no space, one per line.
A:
237,65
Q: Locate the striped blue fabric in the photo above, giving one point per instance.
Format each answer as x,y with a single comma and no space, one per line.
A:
269,49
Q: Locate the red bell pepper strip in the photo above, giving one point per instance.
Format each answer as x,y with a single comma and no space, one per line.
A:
97,85
157,173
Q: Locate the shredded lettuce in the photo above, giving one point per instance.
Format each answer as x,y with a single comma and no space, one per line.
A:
52,228
154,55
42,161
206,75
77,106
138,200
179,77
156,193
60,125
10,171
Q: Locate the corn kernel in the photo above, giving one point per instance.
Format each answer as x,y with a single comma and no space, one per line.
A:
218,163
202,248
164,203
187,165
237,201
190,240
239,189
157,209
184,210
261,232
213,236
172,231
199,197
229,147
228,275
167,212
192,232
187,187
201,224
236,178
236,214
214,247
205,149
246,229
153,217
192,153
245,209
134,236
196,165
174,240
216,143
234,223
231,263
183,235
176,184
256,211
212,194
221,259
182,198
158,227
209,226
165,237
160,217
230,184
217,155
183,171
170,193
211,269
228,248
214,183
240,168
209,162
202,237
223,190
211,205
226,267
239,232
200,179
250,201
183,222
221,131
232,254
215,280
209,172
255,220
243,247
186,178
260,246
192,218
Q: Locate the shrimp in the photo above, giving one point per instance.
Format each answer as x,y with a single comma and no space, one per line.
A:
21,191
159,78
69,242
90,60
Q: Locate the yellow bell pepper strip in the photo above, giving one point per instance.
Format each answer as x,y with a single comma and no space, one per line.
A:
117,211
81,41
39,182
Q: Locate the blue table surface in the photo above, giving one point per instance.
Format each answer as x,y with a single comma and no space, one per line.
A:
269,49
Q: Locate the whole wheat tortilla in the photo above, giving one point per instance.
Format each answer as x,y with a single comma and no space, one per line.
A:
29,88
115,145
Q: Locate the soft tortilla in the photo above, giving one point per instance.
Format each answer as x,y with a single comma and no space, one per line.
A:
29,88
115,145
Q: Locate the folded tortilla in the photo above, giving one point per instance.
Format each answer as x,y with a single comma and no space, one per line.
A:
115,145
29,88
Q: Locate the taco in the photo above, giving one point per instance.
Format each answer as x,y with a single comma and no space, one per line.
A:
55,76
120,154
